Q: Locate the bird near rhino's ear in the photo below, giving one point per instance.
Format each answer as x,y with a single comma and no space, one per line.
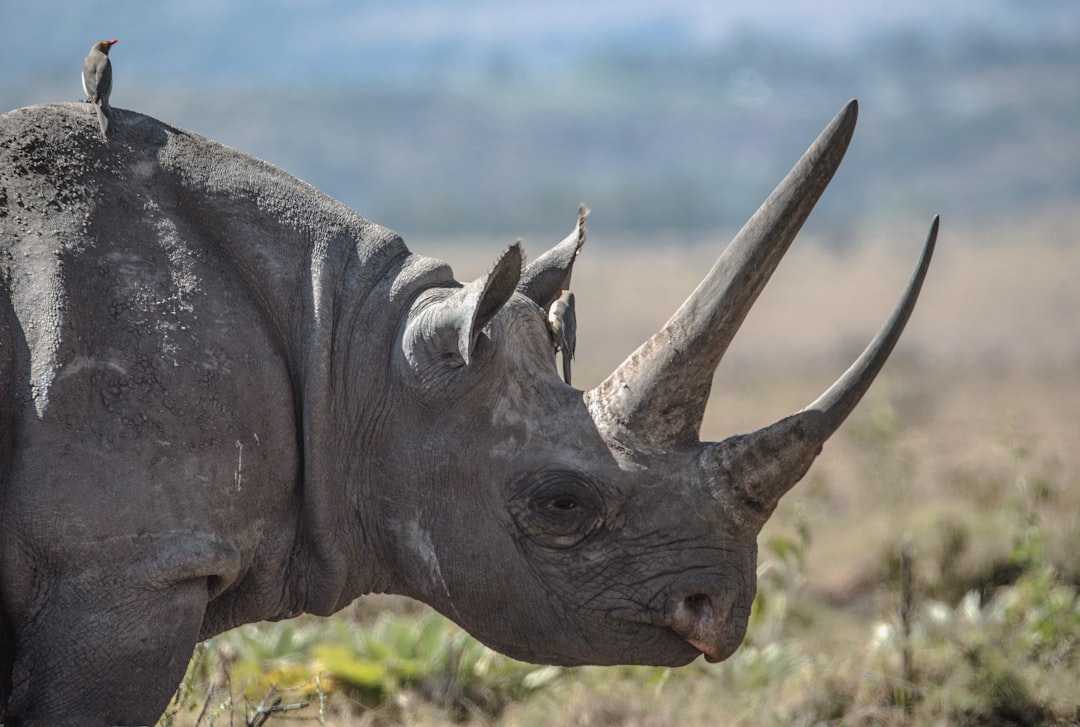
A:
485,297
548,275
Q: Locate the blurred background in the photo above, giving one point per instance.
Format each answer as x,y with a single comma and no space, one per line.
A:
480,116
465,124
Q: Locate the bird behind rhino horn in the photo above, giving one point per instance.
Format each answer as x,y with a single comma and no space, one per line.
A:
97,81
562,324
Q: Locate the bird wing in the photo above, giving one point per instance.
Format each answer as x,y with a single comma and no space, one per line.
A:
97,77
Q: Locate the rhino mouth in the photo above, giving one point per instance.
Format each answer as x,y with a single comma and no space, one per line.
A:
712,654
697,625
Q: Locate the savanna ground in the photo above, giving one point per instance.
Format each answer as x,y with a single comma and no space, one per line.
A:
922,573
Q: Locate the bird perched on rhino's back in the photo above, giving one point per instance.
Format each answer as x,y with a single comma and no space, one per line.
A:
97,80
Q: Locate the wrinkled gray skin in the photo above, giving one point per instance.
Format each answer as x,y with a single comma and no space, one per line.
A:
225,397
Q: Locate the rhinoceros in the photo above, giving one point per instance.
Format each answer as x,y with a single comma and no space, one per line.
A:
227,397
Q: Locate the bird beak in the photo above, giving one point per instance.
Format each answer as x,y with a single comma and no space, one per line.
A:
114,41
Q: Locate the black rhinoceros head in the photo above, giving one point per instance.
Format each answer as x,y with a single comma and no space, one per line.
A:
569,527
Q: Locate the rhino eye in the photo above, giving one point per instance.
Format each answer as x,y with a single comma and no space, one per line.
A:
558,510
564,503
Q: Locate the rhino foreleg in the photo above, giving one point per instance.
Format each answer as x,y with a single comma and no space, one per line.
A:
7,659
91,658
97,645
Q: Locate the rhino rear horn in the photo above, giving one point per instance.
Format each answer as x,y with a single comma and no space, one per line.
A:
549,274
484,297
762,466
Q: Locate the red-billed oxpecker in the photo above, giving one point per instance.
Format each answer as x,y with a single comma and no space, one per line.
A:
97,81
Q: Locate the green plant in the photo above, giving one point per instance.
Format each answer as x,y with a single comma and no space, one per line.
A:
427,656
993,657
432,656
781,573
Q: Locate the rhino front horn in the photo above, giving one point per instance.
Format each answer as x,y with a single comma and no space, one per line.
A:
655,400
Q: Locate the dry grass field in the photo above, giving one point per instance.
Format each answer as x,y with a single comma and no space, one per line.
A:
965,456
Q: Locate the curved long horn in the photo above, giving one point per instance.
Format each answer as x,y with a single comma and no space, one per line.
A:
832,408
657,396
763,465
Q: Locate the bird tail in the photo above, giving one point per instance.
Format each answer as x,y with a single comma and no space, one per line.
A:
104,115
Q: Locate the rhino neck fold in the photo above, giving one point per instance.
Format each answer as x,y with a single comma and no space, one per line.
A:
343,403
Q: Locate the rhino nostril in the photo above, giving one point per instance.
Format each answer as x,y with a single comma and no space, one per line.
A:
695,619
699,604
708,621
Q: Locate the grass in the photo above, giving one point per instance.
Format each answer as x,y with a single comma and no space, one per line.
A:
958,475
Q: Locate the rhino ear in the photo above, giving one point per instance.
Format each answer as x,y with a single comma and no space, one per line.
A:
547,276
484,297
